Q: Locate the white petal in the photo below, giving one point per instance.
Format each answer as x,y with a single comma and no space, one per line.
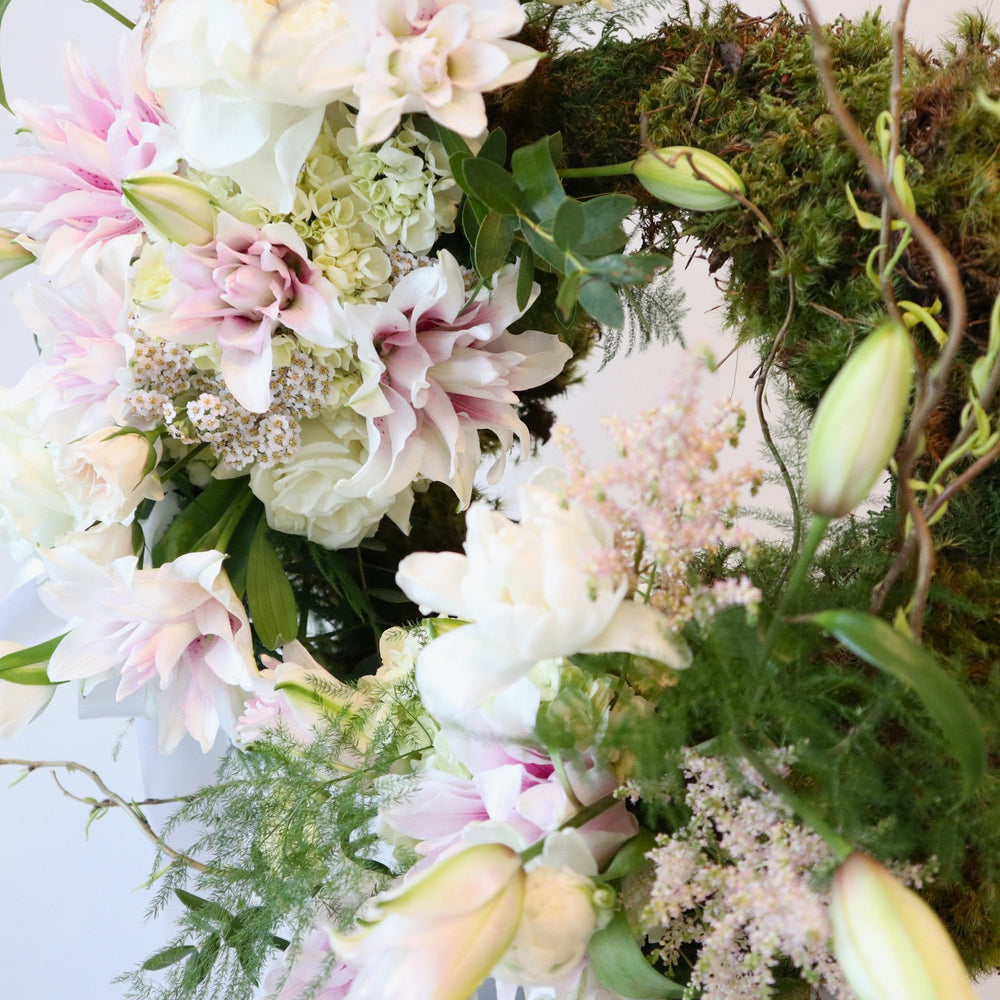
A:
640,629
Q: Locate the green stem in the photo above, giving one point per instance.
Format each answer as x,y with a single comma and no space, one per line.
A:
108,9
839,847
817,529
575,821
612,170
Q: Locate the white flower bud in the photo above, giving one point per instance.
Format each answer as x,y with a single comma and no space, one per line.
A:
688,178
858,422
174,208
888,941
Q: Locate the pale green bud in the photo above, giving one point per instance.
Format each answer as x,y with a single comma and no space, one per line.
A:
689,178
858,422
174,208
13,256
890,944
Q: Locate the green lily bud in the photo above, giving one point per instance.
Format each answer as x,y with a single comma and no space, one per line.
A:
13,256
858,422
689,178
890,944
174,208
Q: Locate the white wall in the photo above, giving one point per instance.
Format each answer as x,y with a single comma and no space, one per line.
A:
71,909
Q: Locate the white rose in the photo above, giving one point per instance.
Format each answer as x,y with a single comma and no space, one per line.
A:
557,921
228,73
305,495
105,478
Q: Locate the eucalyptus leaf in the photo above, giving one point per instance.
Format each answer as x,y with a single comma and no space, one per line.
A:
270,598
452,141
493,243
878,643
535,173
602,302
495,147
568,290
568,224
545,249
471,218
525,277
620,966
603,232
492,185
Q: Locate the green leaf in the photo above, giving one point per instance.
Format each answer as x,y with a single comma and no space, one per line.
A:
566,296
619,964
602,302
603,232
4,4
238,561
167,957
206,907
629,269
495,147
631,856
30,666
493,243
452,141
336,569
456,164
525,277
270,598
492,185
199,519
568,224
472,216
199,965
878,643
534,171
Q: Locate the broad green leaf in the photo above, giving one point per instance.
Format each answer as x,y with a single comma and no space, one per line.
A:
495,147
452,141
30,666
602,302
568,290
534,171
492,185
493,243
568,224
270,599
167,957
238,550
619,964
603,232
629,269
471,218
206,907
456,164
631,856
878,643
196,521
525,277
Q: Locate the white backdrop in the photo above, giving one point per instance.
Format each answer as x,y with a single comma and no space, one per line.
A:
71,908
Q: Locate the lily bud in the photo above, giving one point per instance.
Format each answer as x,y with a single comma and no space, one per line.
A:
890,944
438,937
688,178
174,208
858,422
13,256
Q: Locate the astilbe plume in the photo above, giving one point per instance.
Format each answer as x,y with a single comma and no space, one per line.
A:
669,499
759,905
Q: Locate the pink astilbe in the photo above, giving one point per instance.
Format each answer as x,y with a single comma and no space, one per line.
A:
748,912
74,197
668,499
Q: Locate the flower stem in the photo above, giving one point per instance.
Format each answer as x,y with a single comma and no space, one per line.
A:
611,170
108,9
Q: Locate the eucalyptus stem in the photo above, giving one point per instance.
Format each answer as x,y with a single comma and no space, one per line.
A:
108,9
